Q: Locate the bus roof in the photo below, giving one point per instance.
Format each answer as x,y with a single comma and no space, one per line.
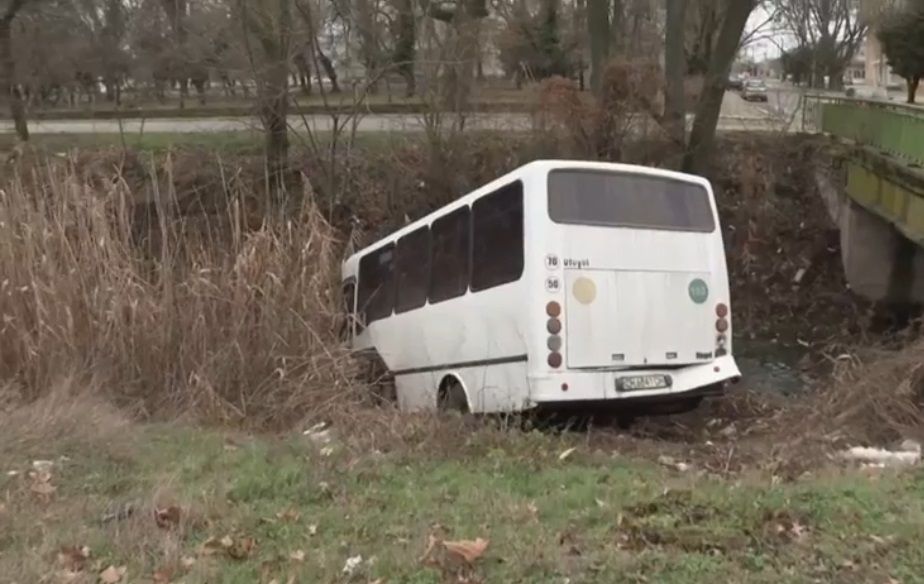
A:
540,166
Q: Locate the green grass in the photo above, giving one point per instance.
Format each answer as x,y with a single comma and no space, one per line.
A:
593,517
230,142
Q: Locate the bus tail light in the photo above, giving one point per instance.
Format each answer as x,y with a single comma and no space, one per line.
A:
553,325
722,326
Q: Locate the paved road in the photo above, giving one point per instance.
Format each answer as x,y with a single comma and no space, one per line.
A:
736,115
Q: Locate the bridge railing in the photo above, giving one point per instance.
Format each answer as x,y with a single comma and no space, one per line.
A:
888,127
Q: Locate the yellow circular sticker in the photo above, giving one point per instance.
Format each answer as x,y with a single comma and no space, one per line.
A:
584,290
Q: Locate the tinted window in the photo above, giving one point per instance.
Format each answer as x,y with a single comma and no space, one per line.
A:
588,197
413,275
449,256
377,284
497,238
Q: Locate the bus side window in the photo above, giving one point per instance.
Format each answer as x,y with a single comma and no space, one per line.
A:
449,242
497,238
376,293
413,270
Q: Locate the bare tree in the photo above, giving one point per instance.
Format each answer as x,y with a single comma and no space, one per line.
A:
702,136
8,68
269,22
832,30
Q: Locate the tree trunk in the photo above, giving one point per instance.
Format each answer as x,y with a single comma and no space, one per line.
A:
368,42
405,44
330,71
8,73
598,28
276,106
913,88
618,27
702,137
675,71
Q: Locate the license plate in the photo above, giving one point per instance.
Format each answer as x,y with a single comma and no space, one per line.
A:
643,382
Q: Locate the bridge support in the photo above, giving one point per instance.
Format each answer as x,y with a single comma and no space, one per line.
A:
881,263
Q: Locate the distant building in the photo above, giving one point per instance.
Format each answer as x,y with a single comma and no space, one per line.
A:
876,70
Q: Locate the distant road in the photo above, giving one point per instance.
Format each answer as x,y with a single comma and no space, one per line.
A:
736,115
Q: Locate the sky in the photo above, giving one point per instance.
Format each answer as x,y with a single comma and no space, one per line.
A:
768,39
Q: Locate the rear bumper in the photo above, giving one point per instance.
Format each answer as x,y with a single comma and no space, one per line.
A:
597,385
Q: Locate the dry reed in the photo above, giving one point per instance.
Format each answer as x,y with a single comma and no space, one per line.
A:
207,317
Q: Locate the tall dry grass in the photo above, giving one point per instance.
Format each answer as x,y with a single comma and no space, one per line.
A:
204,317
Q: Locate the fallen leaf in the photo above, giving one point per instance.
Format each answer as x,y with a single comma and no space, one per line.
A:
242,548
226,542
288,515
163,576
432,542
65,576
312,529
798,530
43,489
187,561
212,545
468,550
167,517
73,558
566,453
297,556
112,574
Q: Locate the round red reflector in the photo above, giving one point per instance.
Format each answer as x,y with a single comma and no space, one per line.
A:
554,360
721,310
553,326
553,309
721,325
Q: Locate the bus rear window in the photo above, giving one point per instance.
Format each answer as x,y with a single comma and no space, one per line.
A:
612,199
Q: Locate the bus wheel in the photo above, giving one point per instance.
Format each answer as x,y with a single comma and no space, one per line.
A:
451,397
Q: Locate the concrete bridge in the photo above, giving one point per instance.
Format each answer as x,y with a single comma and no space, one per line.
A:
876,193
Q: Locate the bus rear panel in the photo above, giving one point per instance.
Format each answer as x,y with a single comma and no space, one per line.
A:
636,295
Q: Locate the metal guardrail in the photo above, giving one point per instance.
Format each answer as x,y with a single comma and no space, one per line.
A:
891,128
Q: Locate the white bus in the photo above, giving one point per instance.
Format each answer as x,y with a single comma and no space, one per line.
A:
562,282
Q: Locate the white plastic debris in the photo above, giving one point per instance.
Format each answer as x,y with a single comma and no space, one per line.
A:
910,446
316,428
349,568
319,433
42,465
881,456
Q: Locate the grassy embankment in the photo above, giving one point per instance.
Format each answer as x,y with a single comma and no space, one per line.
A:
295,509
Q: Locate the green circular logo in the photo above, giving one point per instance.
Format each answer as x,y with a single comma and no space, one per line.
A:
699,291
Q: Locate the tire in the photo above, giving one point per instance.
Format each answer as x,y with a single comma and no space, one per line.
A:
452,398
